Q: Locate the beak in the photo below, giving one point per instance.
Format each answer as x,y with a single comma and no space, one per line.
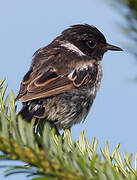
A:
113,48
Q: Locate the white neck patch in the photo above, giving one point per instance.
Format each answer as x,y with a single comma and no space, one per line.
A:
73,48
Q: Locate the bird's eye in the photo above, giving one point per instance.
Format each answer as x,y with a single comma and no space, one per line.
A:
91,43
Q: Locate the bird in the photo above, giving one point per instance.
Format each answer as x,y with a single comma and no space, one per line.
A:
64,77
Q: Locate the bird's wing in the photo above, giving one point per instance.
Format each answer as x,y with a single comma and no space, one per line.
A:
47,80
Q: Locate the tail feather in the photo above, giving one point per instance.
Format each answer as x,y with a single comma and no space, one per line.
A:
26,114
32,109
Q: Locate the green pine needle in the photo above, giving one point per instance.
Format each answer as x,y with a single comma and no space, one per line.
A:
50,156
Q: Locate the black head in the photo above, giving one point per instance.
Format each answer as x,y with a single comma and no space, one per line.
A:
88,39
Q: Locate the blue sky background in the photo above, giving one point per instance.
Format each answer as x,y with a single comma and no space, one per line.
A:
26,26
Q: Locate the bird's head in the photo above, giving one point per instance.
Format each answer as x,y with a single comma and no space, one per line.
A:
88,39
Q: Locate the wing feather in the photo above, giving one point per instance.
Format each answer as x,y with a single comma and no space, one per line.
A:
42,83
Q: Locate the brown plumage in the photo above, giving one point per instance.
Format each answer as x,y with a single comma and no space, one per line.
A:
64,76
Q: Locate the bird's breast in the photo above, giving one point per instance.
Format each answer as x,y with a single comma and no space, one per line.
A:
93,88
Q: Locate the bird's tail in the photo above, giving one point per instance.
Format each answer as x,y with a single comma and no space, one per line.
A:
26,114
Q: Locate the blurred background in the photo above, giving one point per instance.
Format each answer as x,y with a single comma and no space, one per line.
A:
26,26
